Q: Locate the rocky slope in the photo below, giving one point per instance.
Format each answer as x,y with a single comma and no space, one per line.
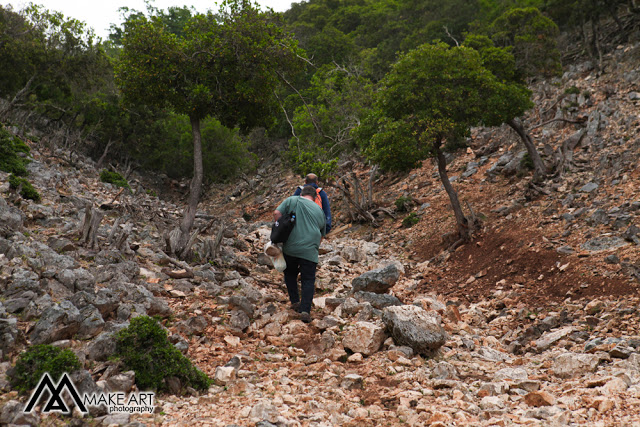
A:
533,322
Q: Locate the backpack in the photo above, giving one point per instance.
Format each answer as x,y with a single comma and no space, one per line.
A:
281,229
318,199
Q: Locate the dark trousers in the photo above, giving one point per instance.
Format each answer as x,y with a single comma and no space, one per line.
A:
307,271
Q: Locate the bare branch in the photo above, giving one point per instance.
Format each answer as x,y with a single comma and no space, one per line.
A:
446,30
579,121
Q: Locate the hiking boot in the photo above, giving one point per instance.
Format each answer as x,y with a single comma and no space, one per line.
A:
295,306
305,317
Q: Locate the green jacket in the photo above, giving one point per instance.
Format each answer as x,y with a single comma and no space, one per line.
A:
304,240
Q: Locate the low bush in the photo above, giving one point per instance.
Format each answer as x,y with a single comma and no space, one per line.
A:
526,162
411,220
10,159
572,90
26,189
403,204
143,347
37,360
113,178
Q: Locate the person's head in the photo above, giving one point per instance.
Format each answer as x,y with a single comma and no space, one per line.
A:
311,178
308,192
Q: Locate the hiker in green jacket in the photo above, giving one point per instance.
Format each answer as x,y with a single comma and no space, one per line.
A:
301,249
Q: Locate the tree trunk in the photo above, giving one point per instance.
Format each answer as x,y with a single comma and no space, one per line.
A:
21,93
461,221
179,238
539,168
613,11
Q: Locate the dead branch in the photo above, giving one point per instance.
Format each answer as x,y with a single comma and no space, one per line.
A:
112,234
564,155
560,119
116,196
446,30
180,274
104,154
360,211
383,210
90,226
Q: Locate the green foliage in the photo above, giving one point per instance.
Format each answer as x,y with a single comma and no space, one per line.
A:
500,61
50,62
434,94
143,347
526,162
533,37
113,178
411,220
223,65
37,360
26,189
403,204
168,148
304,162
572,90
10,159
338,99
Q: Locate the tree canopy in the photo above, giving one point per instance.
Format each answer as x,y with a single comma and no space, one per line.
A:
226,66
433,95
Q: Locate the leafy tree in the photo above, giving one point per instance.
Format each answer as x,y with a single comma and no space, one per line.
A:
533,38
225,66
168,148
503,65
434,95
48,59
322,127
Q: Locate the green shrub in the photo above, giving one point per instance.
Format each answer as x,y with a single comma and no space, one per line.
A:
113,178
26,189
411,220
572,90
37,360
403,204
10,160
305,162
143,347
168,148
526,162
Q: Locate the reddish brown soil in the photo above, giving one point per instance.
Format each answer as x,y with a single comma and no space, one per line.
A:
527,264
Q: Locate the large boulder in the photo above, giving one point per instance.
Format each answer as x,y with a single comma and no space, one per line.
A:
569,365
76,280
12,413
11,218
378,301
9,334
91,323
59,322
48,261
363,337
414,327
379,280
22,280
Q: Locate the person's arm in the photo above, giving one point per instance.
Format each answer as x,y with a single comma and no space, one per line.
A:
282,209
298,191
327,209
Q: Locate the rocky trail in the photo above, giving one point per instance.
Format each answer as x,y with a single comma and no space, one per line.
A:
534,322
